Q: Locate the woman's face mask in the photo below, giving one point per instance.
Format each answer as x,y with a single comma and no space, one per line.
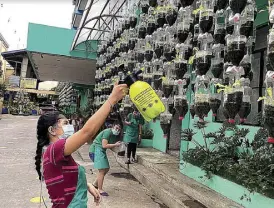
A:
68,131
62,129
115,132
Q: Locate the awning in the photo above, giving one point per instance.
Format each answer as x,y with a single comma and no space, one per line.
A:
63,68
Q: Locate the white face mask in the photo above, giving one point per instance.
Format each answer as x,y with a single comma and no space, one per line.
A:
68,131
115,132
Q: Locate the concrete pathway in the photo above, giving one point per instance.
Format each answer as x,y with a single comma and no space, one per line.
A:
18,178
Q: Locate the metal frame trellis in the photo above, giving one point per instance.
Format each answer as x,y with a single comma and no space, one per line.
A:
104,23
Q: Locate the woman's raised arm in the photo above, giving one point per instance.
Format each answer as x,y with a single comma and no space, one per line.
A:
95,122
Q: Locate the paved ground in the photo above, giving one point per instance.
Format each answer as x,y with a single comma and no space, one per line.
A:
18,179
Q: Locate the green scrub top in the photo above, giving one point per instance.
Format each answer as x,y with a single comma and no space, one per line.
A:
105,134
100,155
132,130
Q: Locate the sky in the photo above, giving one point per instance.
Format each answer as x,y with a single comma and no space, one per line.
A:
16,14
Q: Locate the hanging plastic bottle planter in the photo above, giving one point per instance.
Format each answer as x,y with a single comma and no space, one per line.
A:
185,23
151,22
236,44
186,3
142,27
144,6
247,20
165,119
147,74
161,14
153,3
159,43
233,94
157,74
202,107
206,16
181,64
203,56
237,6
219,31
268,116
221,4
171,13
217,63
148,48
167,82
246,104
246,62
192,111
180,100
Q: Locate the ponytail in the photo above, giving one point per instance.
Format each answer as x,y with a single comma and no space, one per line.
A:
38,159
45,121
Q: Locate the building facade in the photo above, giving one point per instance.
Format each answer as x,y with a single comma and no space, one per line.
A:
3,64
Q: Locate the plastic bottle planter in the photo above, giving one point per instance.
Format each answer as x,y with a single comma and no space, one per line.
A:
169,51
180,69
244,111
202,109
144,6
214,104
270,54
236,46
192,110
147,74
157,74
148,48
196,35
151,25
185,23
246,62
165,119
217,63
152,3
186,3
246,104
133,21
203,62
206,16
217,68
171,15
271,12
219,31
269,121
229,25
237,6
221,4
219,34
180,100
232,104
167,88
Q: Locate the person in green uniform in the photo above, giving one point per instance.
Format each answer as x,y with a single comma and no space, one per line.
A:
106,139
132,137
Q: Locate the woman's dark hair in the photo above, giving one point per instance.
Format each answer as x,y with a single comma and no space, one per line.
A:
44,122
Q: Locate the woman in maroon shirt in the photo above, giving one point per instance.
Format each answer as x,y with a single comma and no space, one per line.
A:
64,178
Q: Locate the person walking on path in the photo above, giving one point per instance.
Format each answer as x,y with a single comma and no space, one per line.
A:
133,133
106,139
65,180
